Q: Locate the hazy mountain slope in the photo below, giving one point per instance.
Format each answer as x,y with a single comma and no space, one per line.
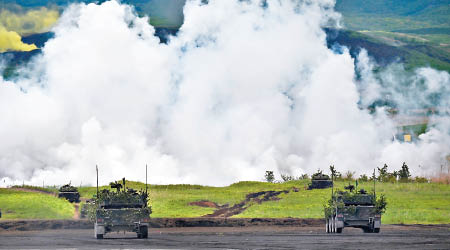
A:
394,15
413,55
416,32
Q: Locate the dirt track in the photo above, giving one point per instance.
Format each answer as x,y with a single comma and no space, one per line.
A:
273,237
33,225
225,211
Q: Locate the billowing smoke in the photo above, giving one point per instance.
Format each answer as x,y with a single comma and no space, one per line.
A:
244,87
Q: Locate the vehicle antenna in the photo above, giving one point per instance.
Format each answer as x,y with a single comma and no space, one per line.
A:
374,193
96,169
332,185
145,178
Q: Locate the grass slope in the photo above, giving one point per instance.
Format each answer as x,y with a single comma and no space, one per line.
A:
394,14
32,205
419,27
408,203
388,47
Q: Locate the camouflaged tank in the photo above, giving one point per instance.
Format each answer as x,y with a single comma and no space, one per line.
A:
319,181
69,193
354,209
122,210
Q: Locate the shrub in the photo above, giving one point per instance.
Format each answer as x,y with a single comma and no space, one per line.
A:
286,178
421,179
303,177
383,173
392,177
363,178
381,204
349,176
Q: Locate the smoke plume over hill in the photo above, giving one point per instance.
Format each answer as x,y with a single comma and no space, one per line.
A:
244,87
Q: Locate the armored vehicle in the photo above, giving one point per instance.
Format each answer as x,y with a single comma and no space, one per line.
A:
354,209
124,209
69,192
320,180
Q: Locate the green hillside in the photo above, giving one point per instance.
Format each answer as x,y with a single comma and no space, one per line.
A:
402,23
394,14
409,203
388,47
16,204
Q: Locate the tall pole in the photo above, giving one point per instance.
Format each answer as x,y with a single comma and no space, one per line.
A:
374,193
145,178
332,185
96,169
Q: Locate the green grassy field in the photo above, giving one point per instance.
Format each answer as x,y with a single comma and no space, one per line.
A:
408,203
32,205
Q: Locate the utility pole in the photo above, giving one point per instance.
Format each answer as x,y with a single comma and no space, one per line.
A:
145,178
374,193
332,185
96,169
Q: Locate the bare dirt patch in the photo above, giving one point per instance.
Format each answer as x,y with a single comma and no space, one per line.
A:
76,215
251,198
205,204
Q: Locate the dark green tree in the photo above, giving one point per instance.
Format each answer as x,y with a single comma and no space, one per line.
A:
269,176
404,173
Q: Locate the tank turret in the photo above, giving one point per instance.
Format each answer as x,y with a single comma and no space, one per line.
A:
122,197
320,180
69,193
320,176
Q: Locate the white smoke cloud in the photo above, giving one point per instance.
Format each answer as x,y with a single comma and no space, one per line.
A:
241,89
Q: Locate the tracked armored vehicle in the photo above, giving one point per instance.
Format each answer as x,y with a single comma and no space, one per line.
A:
122,210
354,209
320,181
69,192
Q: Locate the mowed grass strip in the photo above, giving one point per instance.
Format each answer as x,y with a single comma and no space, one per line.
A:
32,205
